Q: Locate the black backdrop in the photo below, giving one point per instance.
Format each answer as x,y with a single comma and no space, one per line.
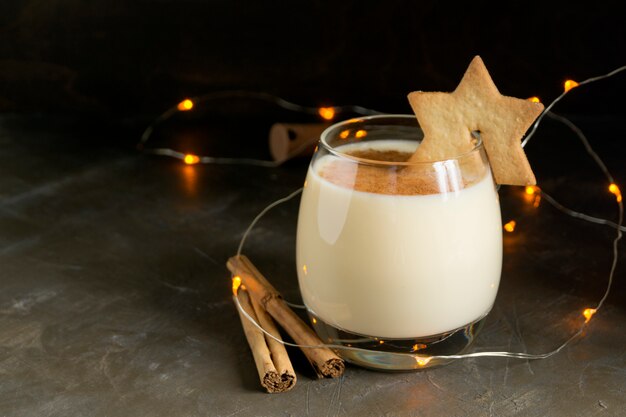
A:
129,58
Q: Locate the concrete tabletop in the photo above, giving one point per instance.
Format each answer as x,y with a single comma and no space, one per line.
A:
115,299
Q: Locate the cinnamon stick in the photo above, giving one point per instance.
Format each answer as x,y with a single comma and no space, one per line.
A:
288,140
270,378
325,362
277,349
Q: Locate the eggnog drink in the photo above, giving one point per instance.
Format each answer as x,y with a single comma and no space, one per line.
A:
386,252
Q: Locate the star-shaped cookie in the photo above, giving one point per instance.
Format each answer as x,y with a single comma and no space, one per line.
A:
448,120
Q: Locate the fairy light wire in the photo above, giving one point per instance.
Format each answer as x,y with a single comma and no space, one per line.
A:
579,215
229,94
563,94
423,359
213,160
617,226
261,214
418,358
332,111
581,136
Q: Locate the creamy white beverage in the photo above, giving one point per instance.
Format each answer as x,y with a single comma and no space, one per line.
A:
404,264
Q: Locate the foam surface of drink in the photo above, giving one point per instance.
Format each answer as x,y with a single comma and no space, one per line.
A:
396,264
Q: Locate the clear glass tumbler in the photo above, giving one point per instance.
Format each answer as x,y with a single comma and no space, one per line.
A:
396,257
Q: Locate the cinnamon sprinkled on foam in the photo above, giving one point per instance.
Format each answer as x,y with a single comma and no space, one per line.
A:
392,179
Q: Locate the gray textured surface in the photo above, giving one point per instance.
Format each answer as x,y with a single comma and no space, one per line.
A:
115,301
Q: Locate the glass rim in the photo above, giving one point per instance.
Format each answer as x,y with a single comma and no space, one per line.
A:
333,150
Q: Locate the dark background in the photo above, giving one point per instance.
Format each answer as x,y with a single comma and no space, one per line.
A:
112,260
132,59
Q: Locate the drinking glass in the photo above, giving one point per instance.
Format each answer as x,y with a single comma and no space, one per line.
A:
398,259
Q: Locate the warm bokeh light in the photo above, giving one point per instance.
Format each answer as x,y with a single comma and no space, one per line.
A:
534,99
569,84
360,134
191,159
185,105
344,134
588,313
189,178
532,189
314,320
381,342
510,226
422,360
532,194
614,189
305,269
236,283
417,347
326,113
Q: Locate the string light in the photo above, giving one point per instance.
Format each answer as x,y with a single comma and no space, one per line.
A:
510,226
569,84
587,313
532,189
423,360
614,189
191,159
236,284
534,99
547,110
185,105
326,113
532,193
189,104
360,134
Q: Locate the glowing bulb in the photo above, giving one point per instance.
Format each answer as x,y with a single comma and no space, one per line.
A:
326,113
532,189
510,226
344,134
314,320
534,99
236,284
417,347
185,105
360,134
533,194
422,360
614,189
569,84
191,159
305,269
588,313
382,342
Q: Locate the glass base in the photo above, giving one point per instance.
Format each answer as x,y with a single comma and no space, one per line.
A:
397,354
